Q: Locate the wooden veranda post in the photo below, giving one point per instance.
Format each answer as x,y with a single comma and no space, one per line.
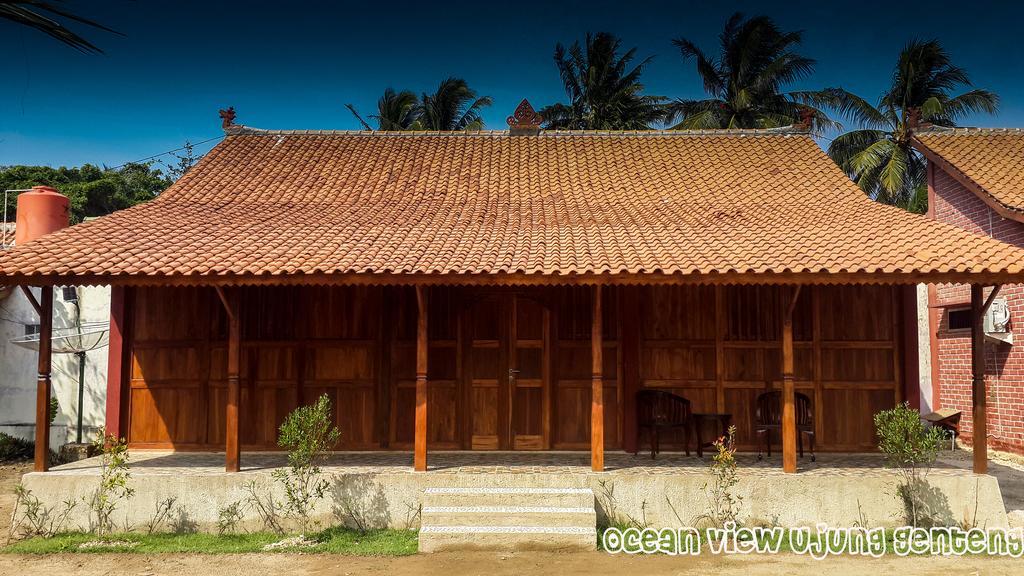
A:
978,395
42,463
232,446
420,447
788,386
596,387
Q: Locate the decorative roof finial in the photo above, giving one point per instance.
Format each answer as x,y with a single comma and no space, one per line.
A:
524,121
805,120
227,117
915,120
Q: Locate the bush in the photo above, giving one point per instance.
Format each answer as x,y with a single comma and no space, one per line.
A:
911,448
14,449
723,503
113,486
308,433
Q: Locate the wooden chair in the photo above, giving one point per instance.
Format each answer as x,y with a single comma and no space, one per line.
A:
657,410
769,418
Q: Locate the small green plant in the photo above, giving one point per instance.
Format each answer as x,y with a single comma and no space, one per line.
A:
162,513
264,504
723,503
113,487
54,407
610,505
32,518
228,518
308,433
911,449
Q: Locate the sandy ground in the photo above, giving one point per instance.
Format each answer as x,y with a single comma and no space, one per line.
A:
492,564
1011,479
10,476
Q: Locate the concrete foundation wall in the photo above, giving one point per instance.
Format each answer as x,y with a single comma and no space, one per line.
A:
393,499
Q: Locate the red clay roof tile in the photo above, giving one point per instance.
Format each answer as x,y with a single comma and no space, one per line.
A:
990,157
286,203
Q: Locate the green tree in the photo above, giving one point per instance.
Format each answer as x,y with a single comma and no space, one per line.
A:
92,191
745,82
878,155
603,88
181,161
453,106
395,111
42,16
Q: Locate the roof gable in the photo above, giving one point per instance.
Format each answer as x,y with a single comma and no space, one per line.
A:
988,161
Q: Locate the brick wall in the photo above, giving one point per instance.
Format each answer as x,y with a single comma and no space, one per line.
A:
955,204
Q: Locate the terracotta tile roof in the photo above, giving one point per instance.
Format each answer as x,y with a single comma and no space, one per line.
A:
991,158
284,203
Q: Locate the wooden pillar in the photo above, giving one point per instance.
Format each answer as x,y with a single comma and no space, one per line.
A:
596,387
42,454
978,395
116,350
232,445
788,386
420,445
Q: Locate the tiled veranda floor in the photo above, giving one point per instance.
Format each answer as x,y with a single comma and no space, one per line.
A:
206,463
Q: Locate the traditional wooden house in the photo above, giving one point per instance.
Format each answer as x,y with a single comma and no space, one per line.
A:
508,290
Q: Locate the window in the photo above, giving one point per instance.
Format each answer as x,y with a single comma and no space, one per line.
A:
958,319
69,293
31,329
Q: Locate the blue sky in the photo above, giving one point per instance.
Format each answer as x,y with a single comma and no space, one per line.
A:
295,64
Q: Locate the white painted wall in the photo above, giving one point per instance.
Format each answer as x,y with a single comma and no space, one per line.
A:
924,356
18,367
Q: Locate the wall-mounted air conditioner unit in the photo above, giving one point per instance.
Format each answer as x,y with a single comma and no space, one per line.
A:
997,322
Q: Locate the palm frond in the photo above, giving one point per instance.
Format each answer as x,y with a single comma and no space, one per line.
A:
973,101
352,109
848,105
31,14
755,62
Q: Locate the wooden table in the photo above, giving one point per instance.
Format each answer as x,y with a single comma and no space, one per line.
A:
699,418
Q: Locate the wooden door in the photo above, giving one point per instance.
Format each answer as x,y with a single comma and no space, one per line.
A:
508,373
529,374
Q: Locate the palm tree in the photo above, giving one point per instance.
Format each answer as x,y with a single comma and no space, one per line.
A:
40,16
744,82
879,156
395,111
453,106
603,88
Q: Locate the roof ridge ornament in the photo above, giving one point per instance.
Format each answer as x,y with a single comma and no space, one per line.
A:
525,121
805,120
227,120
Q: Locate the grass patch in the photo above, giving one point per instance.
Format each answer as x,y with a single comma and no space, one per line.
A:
330,541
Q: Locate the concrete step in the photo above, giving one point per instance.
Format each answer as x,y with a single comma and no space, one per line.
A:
504,518
552,516
505,496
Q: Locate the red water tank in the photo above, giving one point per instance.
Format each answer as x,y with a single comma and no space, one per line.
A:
41,210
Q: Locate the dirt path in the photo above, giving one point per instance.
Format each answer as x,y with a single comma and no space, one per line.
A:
490,564
10,476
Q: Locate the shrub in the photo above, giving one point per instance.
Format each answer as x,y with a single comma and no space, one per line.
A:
113,487
911,448
723,504
14,449
308,433
32,518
